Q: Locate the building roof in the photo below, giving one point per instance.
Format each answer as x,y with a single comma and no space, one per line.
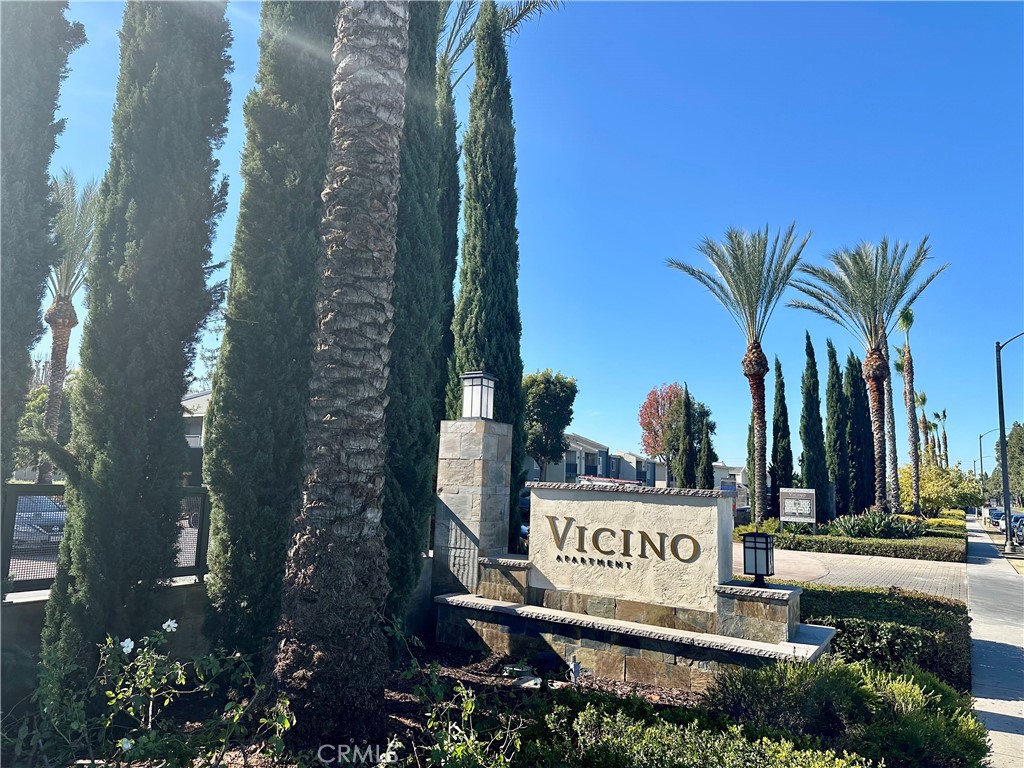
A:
196,403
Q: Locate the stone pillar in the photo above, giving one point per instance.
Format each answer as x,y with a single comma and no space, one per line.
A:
474,471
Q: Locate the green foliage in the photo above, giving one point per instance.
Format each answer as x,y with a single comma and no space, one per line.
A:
925,548
938,524
549,398
891,627
410,429
37,40
941,487
952,514
486,326
448,194
148,299
907,719
35,410
874,524
597,739
685,465
837,450
813,470
859,438
254,426
781,468
705,465
121,713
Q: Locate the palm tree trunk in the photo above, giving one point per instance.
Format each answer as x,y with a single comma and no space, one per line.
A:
908,399
331,657
61,317
876,370
755,368
892,458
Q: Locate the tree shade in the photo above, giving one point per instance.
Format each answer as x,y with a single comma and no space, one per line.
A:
255,422
37,40
410,426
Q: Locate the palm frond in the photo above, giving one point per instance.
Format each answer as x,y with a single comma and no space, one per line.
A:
867,288
73,229
751,272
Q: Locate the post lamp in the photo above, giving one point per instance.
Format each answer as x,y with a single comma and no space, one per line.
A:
758,556
477,395
1008,548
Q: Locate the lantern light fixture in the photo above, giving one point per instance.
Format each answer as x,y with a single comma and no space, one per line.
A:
758,556
477,395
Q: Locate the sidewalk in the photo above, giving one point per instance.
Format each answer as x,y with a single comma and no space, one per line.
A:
996,606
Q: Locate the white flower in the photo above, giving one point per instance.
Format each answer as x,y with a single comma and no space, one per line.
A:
127,645
170,625
126,745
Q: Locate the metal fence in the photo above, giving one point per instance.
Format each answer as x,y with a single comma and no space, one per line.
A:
32,527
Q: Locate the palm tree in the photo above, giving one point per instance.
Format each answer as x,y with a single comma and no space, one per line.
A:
892,457
864,291
945,442
73,227
458,30
906,365
939,437
331,654
751,273
921,401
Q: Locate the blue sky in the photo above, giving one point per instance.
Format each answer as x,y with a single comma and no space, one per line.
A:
643,127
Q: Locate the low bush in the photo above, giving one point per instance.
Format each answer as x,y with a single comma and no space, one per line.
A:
597,739
940,533
771,525
925,548
892,627
952,514
876,525
909,720
939,523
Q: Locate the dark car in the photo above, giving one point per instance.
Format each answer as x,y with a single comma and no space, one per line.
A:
994,516
38,523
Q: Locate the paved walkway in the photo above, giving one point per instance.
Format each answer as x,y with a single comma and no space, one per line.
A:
996,606
942,579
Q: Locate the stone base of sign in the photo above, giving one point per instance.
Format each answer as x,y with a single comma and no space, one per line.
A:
770,613
613,648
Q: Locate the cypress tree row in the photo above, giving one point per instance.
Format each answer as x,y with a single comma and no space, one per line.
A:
37,40
781,469
686,455
410,428
813,469
256,418
705,468
448,194
147,300
486,326
837,450
859,437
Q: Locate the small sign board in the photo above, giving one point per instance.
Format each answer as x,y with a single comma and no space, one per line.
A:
796,505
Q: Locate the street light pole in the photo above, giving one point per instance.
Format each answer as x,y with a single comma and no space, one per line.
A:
981,460
1008,507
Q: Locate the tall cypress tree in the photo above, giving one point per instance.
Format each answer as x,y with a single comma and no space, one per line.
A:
448,194
409,425
686,455
837,450
781,470
148,298
859,437
813,469
705,468
486,326
255,422
37,40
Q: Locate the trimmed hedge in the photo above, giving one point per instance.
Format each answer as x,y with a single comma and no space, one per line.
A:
925,548
939,533
953,514
891,627
940,523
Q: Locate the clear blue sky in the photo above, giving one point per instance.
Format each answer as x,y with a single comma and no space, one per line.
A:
642,127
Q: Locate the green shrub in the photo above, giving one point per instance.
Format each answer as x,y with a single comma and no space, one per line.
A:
925,548
891,628
597,739
909,720
876,525
771,525
952,514
939,533
939,523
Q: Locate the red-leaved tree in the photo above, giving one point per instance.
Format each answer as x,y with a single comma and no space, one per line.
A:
654,415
